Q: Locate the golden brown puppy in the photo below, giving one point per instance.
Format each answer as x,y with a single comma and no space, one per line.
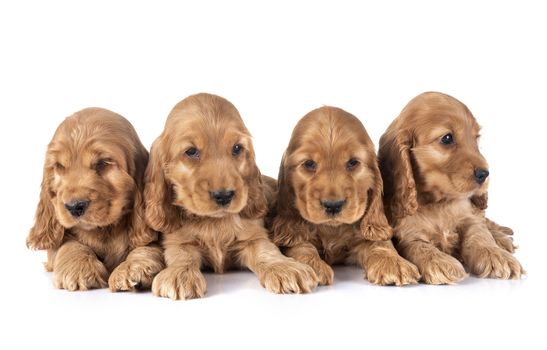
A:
435,192
90,217
205,193
329,207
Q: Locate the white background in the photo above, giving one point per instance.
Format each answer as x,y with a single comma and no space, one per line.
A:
275,61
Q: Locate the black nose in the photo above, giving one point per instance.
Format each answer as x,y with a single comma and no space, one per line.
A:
77,208
333,207
222,197
481,175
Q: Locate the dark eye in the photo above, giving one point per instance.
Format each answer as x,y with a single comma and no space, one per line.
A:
352,163
58,166
102,164
237,149
192,152
447,139
310,165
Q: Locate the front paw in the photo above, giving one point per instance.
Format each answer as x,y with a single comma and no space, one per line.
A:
132,275
288,276
179,283
80,274
494,262
323,271
442,269
392,269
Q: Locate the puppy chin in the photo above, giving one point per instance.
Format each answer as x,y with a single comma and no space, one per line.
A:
214,212
323,219
474,190
79,224
332,223
86,226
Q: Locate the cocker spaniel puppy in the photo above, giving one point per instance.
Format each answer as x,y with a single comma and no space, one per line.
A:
435,183
329,208
205,193
90,216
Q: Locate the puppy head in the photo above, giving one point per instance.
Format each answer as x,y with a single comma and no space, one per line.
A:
329,172
92,178
430,153
204,163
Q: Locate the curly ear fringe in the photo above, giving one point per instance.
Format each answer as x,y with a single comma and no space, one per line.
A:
400,195
47,232
374,224
288,227
159,213
257,203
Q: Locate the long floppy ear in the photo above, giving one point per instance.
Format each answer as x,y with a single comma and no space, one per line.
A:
400,194
257,204
139,232
374,225
480,201
47,232
288,227
160,213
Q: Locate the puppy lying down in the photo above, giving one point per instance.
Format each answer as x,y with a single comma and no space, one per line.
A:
206,195
329,209
436,191
90,214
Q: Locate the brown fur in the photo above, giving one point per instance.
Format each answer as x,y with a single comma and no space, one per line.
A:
359,233
198,232
432,198
95,155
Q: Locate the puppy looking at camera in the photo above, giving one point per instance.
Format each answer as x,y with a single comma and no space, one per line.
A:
329,208
205,193
90,217
435,184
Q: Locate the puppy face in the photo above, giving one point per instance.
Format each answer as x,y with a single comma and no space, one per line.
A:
90,181
93,176
206,157
330,167
431,151
445,150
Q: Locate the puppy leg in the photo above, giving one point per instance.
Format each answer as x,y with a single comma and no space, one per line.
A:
483,256
76,267
182,278
382,264
502,235
306,253
435,266
138,270
276,272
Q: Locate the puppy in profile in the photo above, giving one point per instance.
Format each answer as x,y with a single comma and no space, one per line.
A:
329,209
205,193
435,184
90,217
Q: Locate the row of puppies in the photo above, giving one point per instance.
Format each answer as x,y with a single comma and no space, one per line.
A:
103,201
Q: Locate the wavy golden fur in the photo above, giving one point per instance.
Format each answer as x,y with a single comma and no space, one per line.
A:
205,193
90,217
329,208
435,184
